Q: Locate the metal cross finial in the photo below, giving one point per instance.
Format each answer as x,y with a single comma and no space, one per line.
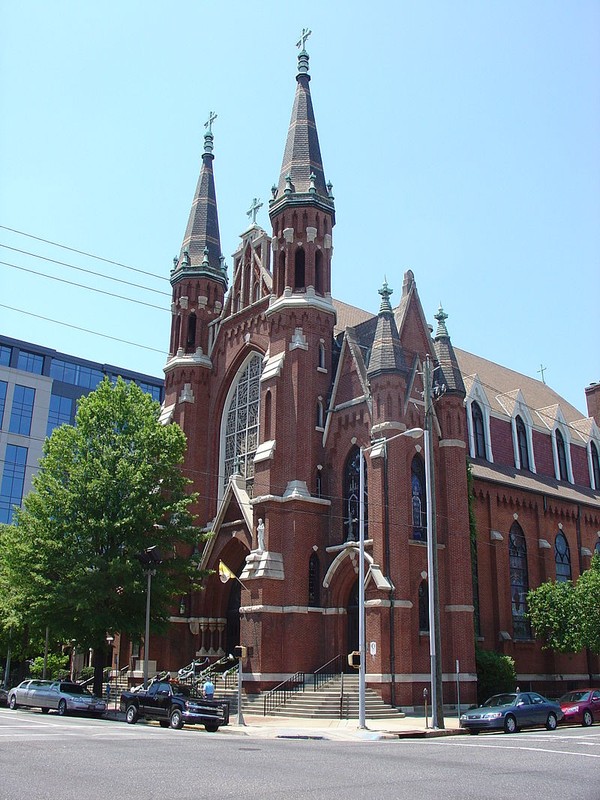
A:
211,118
256,204
541,370
305,34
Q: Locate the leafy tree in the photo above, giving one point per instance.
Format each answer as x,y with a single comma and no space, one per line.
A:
495,673
566,615
108,488
57,667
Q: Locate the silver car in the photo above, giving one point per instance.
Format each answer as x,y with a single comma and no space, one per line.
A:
22,694
61,696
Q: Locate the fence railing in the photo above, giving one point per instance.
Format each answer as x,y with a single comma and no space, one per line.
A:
328,671
279,695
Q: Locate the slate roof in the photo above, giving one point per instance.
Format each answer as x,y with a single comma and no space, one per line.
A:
500,383
202,241
302,166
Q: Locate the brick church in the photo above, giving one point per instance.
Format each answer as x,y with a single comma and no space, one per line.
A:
277,385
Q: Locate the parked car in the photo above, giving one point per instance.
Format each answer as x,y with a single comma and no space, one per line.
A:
61,696
22,694
3,697
511,711
581,706
174,705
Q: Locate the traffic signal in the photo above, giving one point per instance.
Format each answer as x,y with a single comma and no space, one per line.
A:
354,659
240,651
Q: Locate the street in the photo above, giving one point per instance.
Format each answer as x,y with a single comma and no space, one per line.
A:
47,757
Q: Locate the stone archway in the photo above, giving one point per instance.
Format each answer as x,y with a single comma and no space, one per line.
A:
352,613
232,630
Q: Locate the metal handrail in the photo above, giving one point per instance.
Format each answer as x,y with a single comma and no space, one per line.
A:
321,676
279,695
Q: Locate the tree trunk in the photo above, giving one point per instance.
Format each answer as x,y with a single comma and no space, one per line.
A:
99,662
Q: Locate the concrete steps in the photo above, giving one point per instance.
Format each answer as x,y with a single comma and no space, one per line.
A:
328,702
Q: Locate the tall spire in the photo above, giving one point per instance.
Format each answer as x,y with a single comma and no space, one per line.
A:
386,352
446,356
201,246
302,172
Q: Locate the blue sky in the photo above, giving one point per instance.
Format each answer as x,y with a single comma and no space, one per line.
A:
461,139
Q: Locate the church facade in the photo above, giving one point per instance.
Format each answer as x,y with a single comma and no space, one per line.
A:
278,386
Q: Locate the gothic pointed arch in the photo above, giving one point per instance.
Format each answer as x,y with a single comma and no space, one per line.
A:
419,499
351,496
240,423
519,582
562,558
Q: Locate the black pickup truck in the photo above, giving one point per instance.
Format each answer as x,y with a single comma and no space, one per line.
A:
173,704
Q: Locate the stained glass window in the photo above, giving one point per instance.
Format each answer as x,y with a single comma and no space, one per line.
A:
419,502
352,495
562,557
242,421
519,582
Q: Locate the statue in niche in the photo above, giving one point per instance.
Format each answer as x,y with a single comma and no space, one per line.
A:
260,535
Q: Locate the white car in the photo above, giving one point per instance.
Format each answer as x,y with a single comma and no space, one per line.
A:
62,696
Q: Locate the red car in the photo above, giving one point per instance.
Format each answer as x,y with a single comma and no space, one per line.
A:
581,706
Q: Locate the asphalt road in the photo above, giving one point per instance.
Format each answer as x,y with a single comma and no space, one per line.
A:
46,757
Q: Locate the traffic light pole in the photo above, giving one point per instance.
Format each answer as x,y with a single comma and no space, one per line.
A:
361,594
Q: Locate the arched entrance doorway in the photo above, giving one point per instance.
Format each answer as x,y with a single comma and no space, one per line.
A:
233,616
352,613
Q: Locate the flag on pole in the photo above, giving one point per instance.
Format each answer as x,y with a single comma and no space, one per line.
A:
224,572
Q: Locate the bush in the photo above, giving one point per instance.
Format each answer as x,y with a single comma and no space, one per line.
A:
57,667
495,673
86,673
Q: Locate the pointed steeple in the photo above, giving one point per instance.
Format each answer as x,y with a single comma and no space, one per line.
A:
386,351
446,356
201,247
302,177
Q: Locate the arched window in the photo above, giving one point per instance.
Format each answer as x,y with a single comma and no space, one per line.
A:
423,607
561,454
352,494
597,548
478,430
242,423
319,272
268,414
190,342
562,557
281,274
595,482
519,582
419,503
320,414
314,581
299,279
319,483
321,355
522,444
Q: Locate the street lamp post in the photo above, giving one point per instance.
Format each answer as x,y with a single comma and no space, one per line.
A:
149,559
436,715
413,433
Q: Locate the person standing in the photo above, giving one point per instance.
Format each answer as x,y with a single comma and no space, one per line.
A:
208,690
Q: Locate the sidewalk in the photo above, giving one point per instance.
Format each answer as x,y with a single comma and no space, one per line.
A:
346,729
259,727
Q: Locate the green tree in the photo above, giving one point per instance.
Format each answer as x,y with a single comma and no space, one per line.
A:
566,615
495,673
108,488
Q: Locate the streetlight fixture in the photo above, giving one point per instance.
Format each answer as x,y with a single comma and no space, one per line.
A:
412,433
150,558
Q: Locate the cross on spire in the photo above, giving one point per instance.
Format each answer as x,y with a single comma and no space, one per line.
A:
304,36
541,370
211,118
256,204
